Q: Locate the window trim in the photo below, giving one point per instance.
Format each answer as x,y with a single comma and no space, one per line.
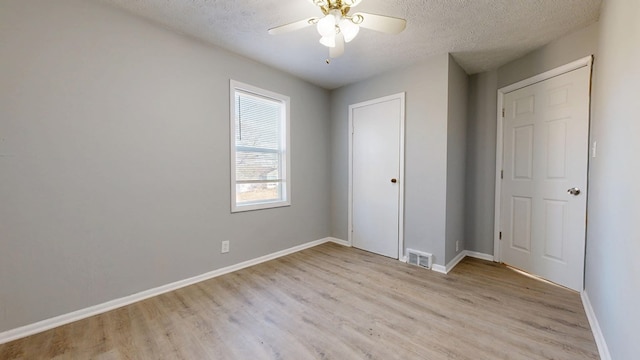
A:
286,172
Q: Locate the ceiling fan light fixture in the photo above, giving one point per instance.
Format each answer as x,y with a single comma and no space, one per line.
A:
327,26
348,29
328,41
338,27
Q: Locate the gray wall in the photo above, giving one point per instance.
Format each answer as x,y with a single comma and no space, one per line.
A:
481,144
426,87
568,48
114,159
481,162
458,88
613,238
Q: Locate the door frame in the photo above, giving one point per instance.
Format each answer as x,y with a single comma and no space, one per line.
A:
575,65
401,97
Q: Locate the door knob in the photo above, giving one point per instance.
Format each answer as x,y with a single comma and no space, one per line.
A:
574,191
394,180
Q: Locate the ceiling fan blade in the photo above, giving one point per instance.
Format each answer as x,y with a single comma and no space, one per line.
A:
293,26
382,23
337,50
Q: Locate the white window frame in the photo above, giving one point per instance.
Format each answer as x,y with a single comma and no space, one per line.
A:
285,140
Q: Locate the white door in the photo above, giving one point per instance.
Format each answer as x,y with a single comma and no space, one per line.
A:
543,201
376,176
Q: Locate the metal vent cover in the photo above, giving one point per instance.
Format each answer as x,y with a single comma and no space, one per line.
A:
419,258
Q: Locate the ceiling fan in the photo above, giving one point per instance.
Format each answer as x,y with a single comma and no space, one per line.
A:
338,27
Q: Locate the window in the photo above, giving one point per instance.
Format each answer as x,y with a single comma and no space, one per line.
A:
259,148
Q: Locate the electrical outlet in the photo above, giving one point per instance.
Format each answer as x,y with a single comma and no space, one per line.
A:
225,247
457,246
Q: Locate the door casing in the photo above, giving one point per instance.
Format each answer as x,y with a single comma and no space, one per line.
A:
401,97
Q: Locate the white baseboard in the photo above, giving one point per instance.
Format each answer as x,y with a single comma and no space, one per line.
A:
478,255
455,261
339,241
445,269
439,268
603,349
64,319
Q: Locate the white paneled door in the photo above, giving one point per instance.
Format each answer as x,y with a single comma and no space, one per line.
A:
376,176
543,196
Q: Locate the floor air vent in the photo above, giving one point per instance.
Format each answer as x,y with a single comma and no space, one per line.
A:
419,258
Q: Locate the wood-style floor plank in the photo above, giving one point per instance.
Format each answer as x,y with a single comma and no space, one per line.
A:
332,302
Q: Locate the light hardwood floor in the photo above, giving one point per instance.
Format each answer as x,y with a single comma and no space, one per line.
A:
333,302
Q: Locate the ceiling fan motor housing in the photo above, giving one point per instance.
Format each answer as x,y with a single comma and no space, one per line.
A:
342,5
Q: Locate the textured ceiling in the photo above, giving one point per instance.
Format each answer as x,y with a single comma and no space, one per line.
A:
481,34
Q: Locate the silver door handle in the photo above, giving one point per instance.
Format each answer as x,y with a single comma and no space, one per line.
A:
574,191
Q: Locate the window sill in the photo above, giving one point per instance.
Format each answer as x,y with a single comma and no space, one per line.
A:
259,206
